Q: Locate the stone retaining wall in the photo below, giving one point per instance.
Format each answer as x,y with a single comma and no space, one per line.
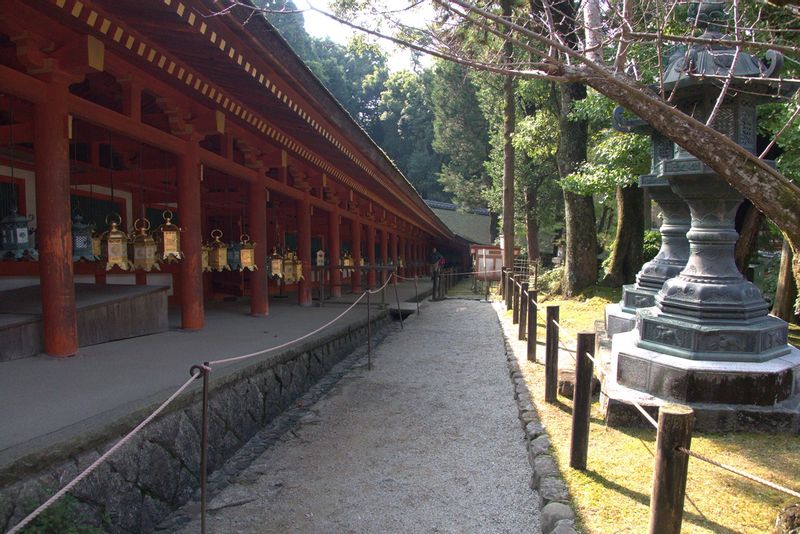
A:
158,470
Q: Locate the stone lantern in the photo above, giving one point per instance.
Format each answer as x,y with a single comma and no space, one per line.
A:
674,251
709,342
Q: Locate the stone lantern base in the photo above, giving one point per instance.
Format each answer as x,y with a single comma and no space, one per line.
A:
621,316
725,395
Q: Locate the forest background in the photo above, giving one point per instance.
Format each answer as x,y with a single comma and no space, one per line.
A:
446,127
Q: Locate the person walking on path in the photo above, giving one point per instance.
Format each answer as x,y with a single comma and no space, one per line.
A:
428,441
436,261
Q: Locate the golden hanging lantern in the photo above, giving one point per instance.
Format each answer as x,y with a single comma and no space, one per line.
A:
97,245
400,262
247,254
144,247
320,258
168,237
347,265
218,253
276,264
298,268
288,267
204,253
115,244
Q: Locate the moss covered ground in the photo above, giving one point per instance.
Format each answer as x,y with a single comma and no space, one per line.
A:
613,494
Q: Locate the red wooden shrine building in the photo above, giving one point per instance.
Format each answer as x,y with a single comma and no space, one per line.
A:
123,109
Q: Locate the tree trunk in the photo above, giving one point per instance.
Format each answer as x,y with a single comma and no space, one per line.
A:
494,219
786,290
532,222
605,213
748,224
509,120
580,265
626,255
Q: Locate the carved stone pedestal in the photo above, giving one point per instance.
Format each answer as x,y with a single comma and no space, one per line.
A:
726,396
671,257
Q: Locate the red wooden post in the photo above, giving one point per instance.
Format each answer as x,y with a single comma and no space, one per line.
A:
371,255
191,267
54,235
384,254
393,249
404,256
303,207
335,253
259,304
355,232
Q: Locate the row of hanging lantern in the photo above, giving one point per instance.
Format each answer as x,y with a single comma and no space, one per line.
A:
237,256
16,239
287,267
115,247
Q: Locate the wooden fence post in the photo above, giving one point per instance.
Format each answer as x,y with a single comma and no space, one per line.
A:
523,311
509,289
501,289
581,402
675,424
515,303
532,320
551,356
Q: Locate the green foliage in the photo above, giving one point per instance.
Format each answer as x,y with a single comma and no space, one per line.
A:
394,109
460,135
616,159
652,244
406,124
550,281
61,518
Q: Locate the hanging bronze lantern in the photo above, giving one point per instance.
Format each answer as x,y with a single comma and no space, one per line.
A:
298,268
15,236
400,262
247,254
204,253
144,247
234,256
115,244
82,239
97,244
288,267
347,265
168,237
218,253
276,264
320,258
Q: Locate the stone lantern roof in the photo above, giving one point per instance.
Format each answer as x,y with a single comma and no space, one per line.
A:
709,64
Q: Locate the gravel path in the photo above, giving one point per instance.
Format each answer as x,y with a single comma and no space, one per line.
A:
428,441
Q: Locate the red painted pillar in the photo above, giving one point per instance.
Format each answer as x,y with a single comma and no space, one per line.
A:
303,208
384,254
191,267
355,237
335,253
371,255
393,248
259,305
54,227
401,255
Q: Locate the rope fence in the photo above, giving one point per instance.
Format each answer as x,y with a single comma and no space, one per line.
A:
118,445
673,426
202,371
